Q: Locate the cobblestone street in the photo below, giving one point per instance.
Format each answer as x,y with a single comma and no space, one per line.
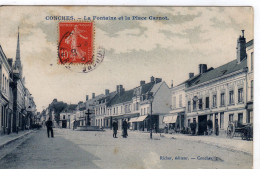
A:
79,149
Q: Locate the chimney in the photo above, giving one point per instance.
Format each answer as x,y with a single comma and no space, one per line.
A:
172,84
142,82
86,97
119,89
191,75
202,68
10,62
106,92
152,79
93,95
241,47
158,80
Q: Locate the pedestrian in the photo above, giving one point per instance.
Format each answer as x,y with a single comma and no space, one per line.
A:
49,127
125,125
217,129
115,128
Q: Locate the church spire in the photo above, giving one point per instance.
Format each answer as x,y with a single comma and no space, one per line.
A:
18,64
18,47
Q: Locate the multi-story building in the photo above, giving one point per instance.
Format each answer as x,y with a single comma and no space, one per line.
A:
134,105
250,80
101,110
6,114
219,94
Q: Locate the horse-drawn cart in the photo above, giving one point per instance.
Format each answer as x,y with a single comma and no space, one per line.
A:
245,131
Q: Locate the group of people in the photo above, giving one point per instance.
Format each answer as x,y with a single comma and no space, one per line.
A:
124,127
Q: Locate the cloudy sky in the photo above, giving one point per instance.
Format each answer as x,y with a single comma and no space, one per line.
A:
134,50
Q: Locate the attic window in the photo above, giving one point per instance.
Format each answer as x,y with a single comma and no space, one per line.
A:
223,72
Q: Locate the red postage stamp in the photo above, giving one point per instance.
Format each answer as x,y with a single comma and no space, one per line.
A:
75,43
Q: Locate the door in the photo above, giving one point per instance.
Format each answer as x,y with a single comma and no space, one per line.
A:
202,120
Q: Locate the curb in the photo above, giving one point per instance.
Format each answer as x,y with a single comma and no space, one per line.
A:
16,138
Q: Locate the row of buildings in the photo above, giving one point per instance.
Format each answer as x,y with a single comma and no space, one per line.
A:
220,95
17,105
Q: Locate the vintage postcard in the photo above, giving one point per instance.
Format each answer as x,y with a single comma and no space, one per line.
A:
112,87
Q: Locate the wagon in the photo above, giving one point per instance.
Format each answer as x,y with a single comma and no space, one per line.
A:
245,131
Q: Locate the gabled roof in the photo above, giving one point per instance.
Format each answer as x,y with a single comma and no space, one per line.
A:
225,69
147,87
124,97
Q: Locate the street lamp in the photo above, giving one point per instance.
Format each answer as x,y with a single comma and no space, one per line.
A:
150,98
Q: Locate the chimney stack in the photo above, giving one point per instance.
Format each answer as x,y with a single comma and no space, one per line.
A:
202,68
172,84
119,89
86,97
106,92
142,82
158,80
191,75
241,47
152,79
93,95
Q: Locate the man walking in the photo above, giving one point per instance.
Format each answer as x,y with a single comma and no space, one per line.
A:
49,127
115,128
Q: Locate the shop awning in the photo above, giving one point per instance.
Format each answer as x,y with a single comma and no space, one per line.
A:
133,119
141,118
170,119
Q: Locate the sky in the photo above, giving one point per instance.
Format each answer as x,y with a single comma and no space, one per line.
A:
135,50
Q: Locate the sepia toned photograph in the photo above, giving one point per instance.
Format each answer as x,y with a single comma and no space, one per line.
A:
126,87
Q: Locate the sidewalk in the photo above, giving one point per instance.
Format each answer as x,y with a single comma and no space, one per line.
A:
6,139
235,144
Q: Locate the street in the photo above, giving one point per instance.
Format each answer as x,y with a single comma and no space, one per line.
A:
81,149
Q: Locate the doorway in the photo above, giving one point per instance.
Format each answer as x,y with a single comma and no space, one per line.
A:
202,120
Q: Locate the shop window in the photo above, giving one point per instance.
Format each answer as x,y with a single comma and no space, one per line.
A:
240,118
231,118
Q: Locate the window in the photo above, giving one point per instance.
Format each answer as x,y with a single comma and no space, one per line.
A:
252,61
180,100
222,99
194,105
207,102
214,99
144,111
231,117
222,120
252,89
141,111
240,118
174,102
200,104
189,123
240,95
231,97
248,119
64,117
189,109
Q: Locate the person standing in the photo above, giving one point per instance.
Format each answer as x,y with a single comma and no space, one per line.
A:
49,127
125,125
115,128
